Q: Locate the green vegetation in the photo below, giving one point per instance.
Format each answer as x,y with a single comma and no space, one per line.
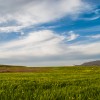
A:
55,83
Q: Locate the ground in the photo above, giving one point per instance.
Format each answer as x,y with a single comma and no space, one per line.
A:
52,83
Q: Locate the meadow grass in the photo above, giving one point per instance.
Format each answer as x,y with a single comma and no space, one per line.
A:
56,83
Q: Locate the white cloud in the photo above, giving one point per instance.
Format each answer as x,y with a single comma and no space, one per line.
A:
91,18
93,29
36,43
25,13
95,15
46,46
87,49
9,29
72,36
97,36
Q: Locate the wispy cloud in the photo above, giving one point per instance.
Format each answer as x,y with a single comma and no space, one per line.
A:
93,14
97,36
26,13
91,29
72,36
47,45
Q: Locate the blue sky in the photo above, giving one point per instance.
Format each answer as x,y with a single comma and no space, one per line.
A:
49,32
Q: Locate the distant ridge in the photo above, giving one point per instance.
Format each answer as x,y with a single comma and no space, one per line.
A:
11,66
92,63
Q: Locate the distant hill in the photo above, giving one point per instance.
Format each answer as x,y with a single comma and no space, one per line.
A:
92,63
11,66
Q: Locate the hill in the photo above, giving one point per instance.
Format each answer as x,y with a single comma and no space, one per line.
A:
11,66
92,63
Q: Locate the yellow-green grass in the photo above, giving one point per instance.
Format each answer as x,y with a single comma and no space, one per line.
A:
55,83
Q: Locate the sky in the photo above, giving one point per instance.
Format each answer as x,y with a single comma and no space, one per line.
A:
49,32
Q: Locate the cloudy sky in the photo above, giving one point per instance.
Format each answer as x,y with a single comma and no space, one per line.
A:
49,32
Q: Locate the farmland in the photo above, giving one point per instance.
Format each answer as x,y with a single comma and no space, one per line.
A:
51,83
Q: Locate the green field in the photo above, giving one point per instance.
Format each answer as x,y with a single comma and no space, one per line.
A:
55,83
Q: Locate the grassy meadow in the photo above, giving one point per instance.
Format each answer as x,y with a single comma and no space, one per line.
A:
52,83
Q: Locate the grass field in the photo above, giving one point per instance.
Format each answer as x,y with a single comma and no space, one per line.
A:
55,83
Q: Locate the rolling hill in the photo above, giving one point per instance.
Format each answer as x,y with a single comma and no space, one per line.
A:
92,63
